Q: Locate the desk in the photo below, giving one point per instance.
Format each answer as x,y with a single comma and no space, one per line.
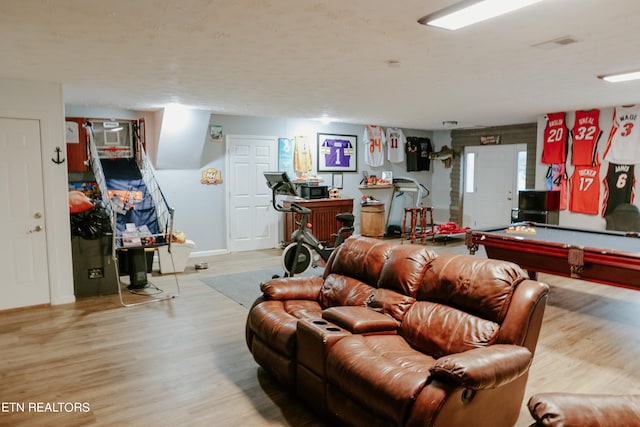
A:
608,257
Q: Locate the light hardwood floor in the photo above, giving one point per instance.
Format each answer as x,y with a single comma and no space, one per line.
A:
184,362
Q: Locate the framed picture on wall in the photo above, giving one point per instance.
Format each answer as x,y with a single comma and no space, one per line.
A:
215,133
337,153
336,180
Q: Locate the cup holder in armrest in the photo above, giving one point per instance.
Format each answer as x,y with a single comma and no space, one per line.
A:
333,329
320,322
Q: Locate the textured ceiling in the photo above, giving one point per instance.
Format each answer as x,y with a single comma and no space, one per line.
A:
360,61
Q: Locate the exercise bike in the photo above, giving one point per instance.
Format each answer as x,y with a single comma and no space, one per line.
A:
305,250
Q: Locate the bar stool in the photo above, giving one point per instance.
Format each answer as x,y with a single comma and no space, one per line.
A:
416,214
423,223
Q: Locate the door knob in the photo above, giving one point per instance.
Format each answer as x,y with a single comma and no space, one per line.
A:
36,229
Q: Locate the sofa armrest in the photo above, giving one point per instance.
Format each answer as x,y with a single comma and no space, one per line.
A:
484,367
292,288
573,410
360,320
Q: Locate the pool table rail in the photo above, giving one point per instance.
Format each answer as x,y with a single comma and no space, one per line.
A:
539,253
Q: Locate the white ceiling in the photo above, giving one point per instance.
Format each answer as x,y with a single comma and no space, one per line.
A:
306,58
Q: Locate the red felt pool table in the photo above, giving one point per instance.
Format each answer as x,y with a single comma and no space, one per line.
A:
608,257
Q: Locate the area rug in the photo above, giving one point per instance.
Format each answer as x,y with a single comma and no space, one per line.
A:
244,287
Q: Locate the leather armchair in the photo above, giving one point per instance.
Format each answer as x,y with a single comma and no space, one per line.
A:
584,410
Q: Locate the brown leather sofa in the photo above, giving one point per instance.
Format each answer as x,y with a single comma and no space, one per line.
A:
584,410
394,335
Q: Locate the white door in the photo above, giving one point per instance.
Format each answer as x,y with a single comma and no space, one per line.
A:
490,184
23,254
252,222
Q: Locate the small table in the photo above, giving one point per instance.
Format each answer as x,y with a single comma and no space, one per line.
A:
608,257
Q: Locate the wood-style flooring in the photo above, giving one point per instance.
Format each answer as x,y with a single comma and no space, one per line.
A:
184,362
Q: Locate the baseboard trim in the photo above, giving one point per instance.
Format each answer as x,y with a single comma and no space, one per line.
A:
203,254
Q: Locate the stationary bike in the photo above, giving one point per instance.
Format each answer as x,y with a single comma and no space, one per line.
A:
306,250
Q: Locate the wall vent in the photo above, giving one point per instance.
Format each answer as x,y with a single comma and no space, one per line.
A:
555,43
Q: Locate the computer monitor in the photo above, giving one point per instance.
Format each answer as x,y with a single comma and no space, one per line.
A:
279,182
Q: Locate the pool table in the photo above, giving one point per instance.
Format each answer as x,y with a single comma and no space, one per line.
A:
608,257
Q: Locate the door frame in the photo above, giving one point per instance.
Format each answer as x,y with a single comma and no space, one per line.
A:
228,139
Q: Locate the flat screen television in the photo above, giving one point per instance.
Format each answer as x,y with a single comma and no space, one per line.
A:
533,200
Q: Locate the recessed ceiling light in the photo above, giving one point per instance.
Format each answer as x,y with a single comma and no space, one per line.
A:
621,77
470,12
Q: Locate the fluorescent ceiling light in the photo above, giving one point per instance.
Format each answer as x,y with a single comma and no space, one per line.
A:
623,77
470,12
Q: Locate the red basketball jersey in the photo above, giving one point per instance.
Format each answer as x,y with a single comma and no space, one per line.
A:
554,150
584,189
586,133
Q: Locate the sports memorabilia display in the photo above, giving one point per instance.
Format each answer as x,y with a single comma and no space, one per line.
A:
395,145
557,180
556,134
418,150
584,189
337,152
623,146
302,159
374,140
585,135
618,186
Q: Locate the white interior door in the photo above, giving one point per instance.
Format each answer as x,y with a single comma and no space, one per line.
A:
23,254
252,222
490,184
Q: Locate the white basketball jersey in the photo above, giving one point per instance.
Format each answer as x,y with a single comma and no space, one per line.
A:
623,146
395,145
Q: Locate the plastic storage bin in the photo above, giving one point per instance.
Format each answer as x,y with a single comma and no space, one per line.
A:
180,253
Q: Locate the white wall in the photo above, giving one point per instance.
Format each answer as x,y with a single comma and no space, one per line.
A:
44,102
201,209
182,137
567,218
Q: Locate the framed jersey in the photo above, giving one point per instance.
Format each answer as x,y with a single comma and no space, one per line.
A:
337,153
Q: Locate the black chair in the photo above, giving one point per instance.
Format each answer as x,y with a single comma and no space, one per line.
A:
625,217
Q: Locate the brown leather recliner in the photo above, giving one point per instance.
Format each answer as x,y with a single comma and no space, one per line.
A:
394,336
361,272
460,358
584,410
